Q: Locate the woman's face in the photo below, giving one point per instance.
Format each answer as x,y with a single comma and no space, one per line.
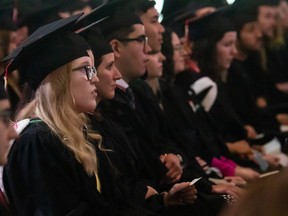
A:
178,57
83,90
155,65
7,132
107,74
226,50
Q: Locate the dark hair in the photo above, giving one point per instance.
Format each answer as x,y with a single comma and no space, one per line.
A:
204,53
168,52
121,33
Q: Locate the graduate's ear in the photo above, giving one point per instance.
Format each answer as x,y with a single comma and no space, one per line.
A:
116,46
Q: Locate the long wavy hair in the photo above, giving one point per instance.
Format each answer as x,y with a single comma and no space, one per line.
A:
53,103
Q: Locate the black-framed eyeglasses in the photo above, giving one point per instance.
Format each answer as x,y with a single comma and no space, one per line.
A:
90,71
141,39
5,117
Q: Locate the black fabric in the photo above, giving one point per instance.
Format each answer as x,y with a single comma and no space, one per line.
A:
43,177
215,23
120,19
97,42
102,11
245,83
127,164
6,19
196,131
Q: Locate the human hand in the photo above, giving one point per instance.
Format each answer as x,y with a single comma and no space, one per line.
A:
150,192
181,194
236,180
251,132
172,163
246,173
232,190
272,160
241,147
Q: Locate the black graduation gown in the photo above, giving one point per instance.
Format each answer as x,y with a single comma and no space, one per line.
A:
138,126
244,86
43,177
196,131
137,130
126,164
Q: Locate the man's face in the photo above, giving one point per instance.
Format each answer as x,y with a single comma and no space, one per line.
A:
7,132
153,29
250,38
131,57
267,20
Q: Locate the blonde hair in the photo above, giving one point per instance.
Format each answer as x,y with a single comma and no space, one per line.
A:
54,105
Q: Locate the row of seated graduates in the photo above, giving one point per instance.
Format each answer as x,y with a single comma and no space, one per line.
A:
135,87
221,113
206,197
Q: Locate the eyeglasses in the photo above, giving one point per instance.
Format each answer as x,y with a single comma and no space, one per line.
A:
89,70
5,117
141,39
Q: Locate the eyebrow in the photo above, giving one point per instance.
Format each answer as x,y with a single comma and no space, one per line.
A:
82,65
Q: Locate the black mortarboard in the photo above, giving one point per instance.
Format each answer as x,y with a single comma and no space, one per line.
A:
242,14
35,13
72,5
3,94
97,42
144,5
48,48
6,18
119,20
177,20
100,13
211,25
255,3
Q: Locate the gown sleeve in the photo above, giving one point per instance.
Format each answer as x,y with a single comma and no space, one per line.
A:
43,177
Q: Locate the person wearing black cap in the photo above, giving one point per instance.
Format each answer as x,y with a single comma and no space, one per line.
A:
123,156
55,157
141,118
206,35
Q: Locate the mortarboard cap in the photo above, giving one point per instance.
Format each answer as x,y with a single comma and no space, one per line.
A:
48,48
144,5
177,20
96,41
211,25
35,13
72,5
3,94
98,14
118,20
243,14
6,18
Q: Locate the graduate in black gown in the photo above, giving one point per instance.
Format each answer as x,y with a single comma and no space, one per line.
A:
122,154
197,131
56,166
139,115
